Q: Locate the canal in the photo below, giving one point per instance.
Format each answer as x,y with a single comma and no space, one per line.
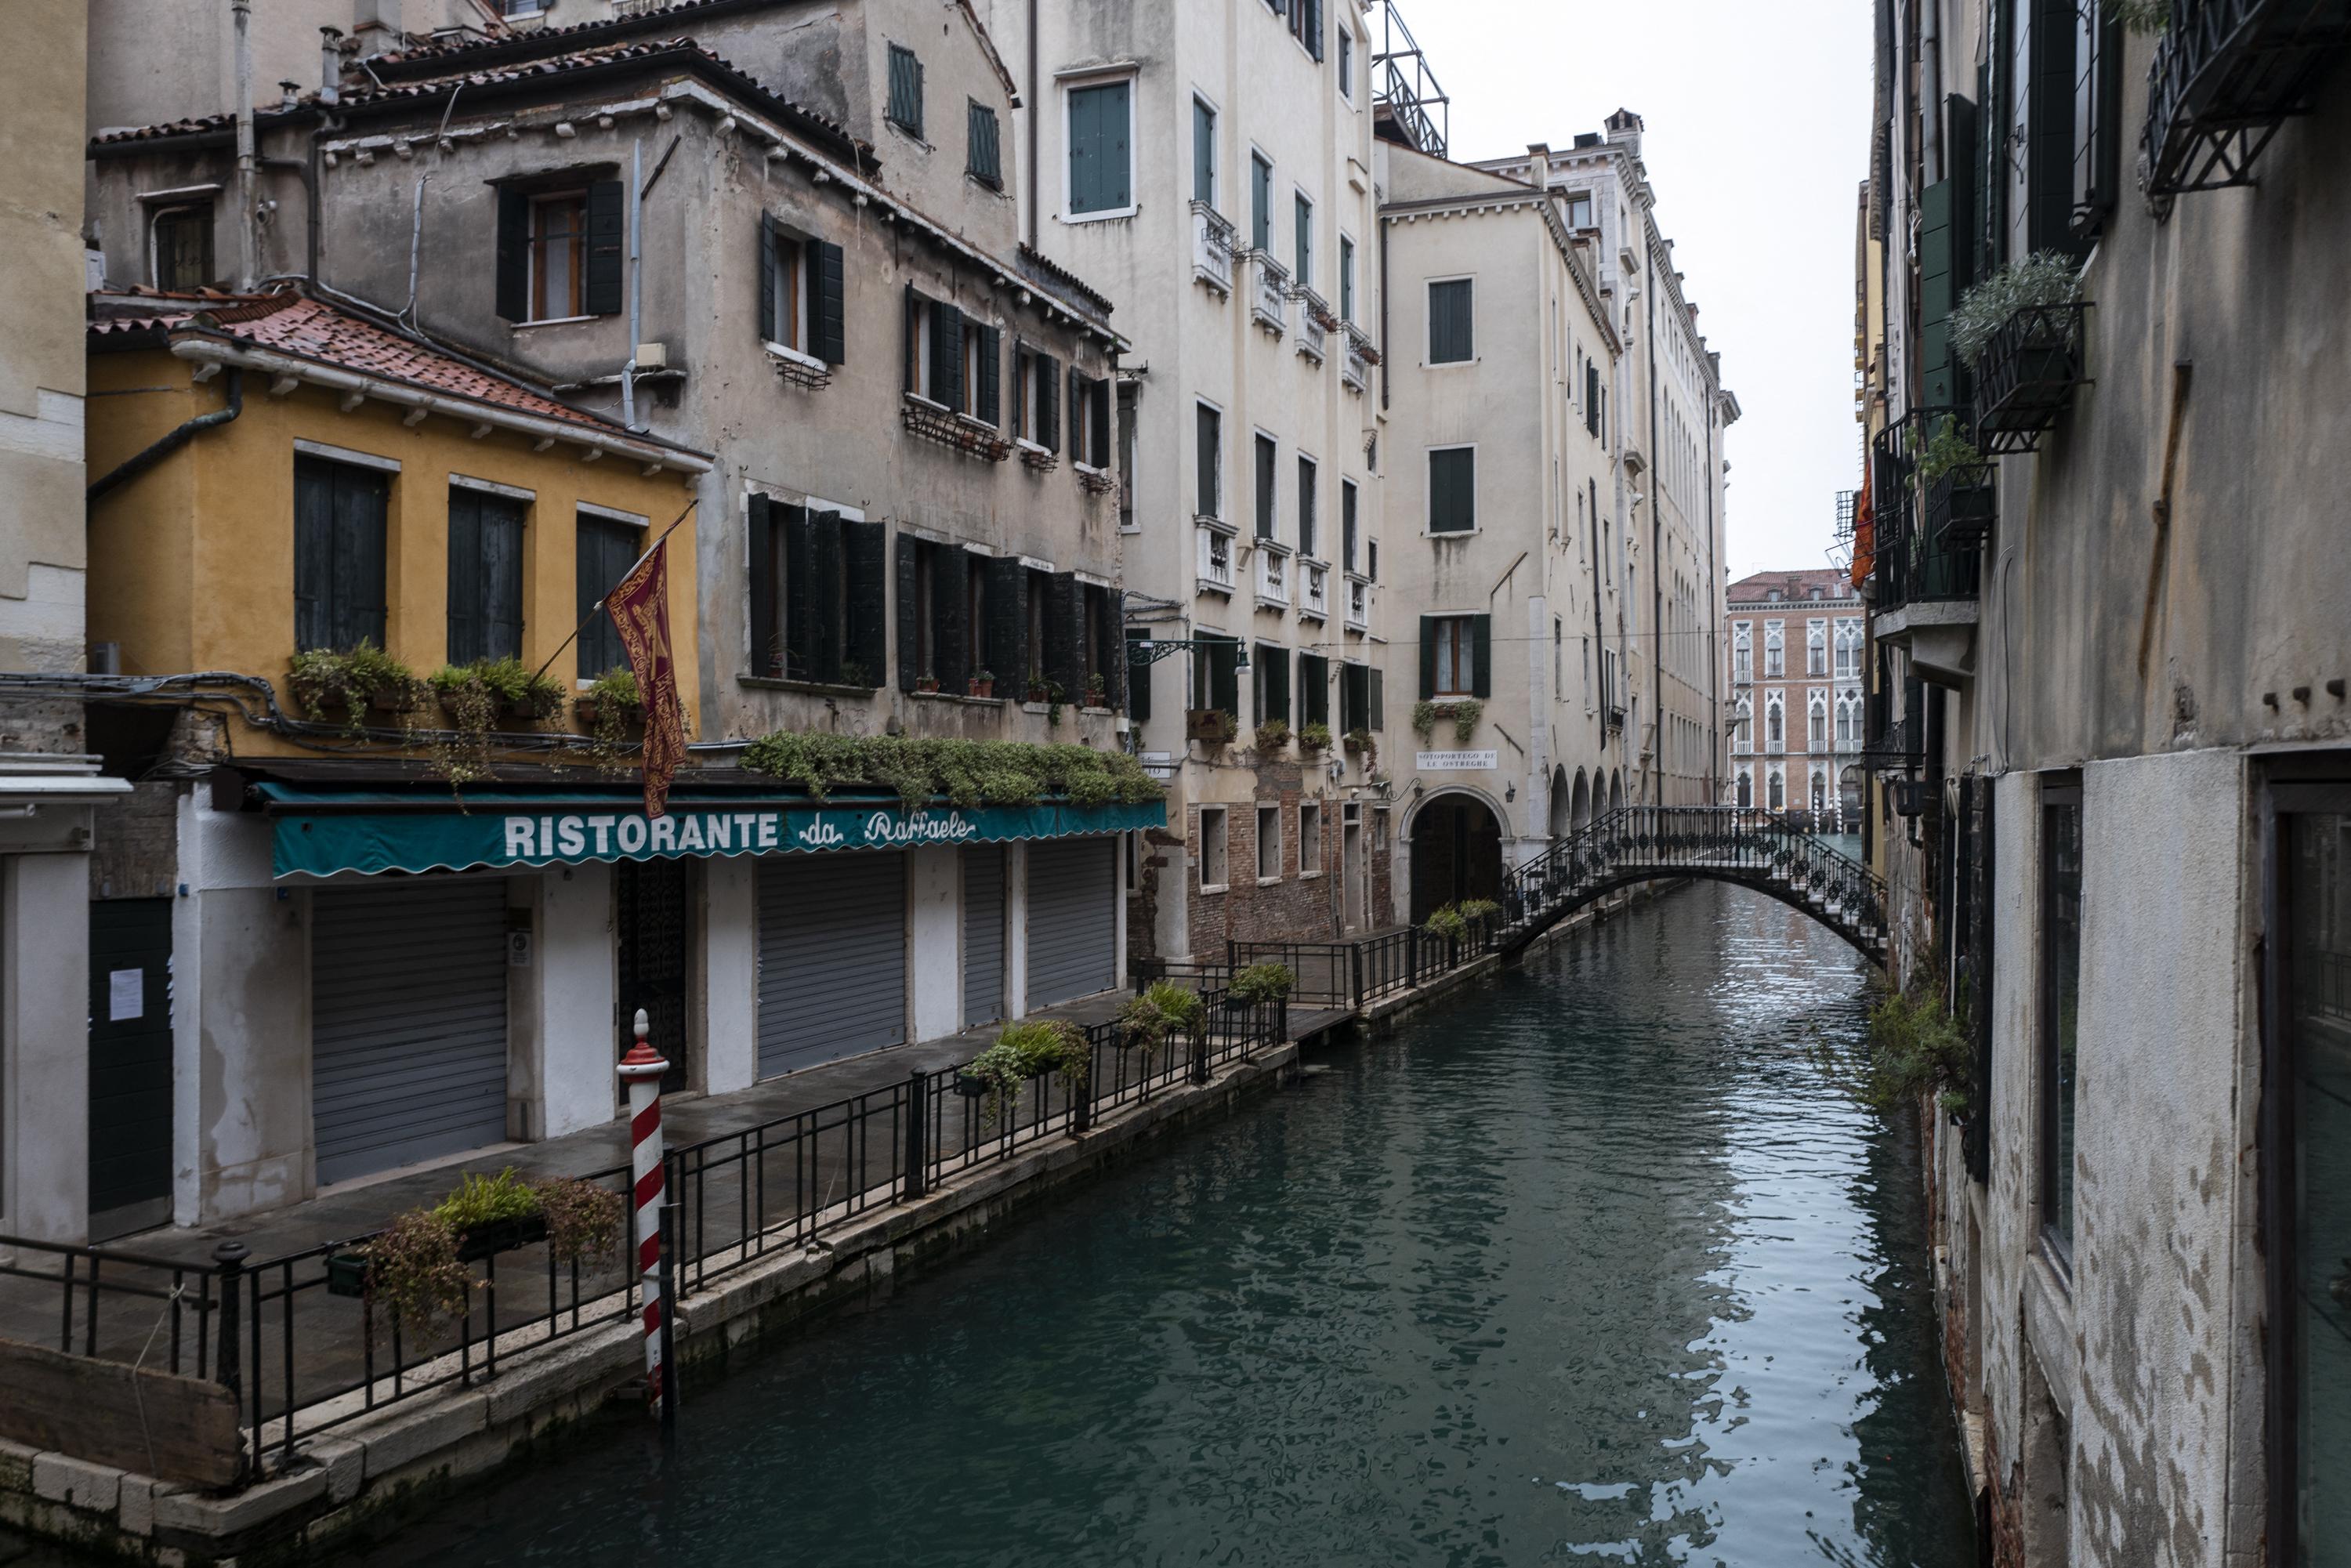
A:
1597,1262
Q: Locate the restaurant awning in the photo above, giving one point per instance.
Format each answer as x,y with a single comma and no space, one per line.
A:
321,831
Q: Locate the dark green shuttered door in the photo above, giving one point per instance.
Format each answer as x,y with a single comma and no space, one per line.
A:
485,576
130,1065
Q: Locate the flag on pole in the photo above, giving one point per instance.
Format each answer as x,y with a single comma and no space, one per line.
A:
639,609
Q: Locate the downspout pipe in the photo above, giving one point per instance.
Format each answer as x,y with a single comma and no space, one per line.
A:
1930,74
131,467
1036,127
249,255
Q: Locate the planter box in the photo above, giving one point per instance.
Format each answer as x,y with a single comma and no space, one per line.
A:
1962,504
347,1274
536,707
500,1235
970,1088
588,709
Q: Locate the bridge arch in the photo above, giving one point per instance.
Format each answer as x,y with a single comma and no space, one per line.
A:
1456,834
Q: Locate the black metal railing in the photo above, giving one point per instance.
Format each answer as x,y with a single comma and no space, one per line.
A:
1918,557
2026,374
2226,75
1644,843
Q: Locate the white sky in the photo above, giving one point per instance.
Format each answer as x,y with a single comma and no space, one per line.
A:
1755,141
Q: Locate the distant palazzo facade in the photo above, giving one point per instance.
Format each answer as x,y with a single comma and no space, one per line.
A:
1796,688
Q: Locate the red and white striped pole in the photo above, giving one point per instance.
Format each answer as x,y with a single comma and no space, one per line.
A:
642,1069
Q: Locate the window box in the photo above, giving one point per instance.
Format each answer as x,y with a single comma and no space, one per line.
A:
1962,505
1036,459
2026,375
926,685
933,422
588,709
1093,481
500,1235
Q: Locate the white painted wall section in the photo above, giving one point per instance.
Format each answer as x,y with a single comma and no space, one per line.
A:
935,940
730,945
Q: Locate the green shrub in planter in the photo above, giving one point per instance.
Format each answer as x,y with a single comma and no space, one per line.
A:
1446,921
1262,983
1315,736
1031,1048
1164,1005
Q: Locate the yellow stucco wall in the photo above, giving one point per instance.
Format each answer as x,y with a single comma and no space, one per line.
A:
192,564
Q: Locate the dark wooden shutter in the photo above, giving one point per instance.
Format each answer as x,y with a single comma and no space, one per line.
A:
991,375
1260,204
1098,422
799,592
828,317
1379,700
1936,238
946,355
1453,490
1008,623
1208,438
825,597
601,293
914,313
1451,334
1065,631
484,585
1078,417
1136,677
910,610
313,553
1266,482
766,276
1275,662
1204,152
906,88
2049,126
1049,402
950,620
1427,657
865,551
605,550
355,599
1225,676
1591,396
1313,689
767,647
1481,655
514,254
984,164
1313,25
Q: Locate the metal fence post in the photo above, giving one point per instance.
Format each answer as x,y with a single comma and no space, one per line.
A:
1081,1094
1200,1047
918,1125
1355,959
228,1364
669,1316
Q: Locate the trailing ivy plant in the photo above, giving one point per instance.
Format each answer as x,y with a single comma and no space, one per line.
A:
1315,736
2044,277
966,773
472,695
1464,713
584,1218
1424,719
1272,735
618,706
412,1271
321,678
1360,739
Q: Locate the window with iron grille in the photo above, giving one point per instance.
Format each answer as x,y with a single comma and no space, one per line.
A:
182,241
906,110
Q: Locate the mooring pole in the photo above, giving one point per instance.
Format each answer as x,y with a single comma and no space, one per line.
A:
642,1069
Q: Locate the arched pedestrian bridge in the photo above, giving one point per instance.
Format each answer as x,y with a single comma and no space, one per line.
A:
1646,844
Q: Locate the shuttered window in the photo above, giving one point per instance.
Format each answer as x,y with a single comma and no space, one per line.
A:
800,304
1591,396
984,162
1313,689
2097,118
905,90
1451,337
1347,524
1209,441
1456,656
1309,487
1204,153
339,512
2048,41
1354,697
1271,664
606,548
1268,482
1301,239
935,628
1260,202
1346,62
1101,176
1089,420
1346,268
485,595
1452,489
1063,624
1216,671
560,253
183,239
818,596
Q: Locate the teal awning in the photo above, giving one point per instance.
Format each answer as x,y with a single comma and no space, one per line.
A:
318,832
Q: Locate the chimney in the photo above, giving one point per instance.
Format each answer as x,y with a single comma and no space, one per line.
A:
289,94
330,65
1538,163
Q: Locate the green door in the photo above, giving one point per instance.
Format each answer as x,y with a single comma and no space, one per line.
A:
130,1065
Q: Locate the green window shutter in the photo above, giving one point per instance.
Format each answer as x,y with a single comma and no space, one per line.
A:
946,355
950,611
983,162
603,273
1098,415
2097,118
991,375
910,611
1204,153
767,276
1452,490
1346,525
1209,437
866,552
1935,291
1138,678
1065,625
799,592
1451,337
1427,657
340,514
825,596
829,318
1049,402
1099,179
514,254
767,648
913,314
1379,700
905,90
1313,689
1308,476
464,596
1347,273
1260,204
1352,696
1301,241
1591,396
602,553
1008,621
1225,676
1266,482
2049,126
500,575
1481,655
1277,665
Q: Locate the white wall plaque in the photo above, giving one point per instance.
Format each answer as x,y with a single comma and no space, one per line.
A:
1454,761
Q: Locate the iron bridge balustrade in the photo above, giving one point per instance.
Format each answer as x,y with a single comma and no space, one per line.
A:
1643,843
2026,374
2226,75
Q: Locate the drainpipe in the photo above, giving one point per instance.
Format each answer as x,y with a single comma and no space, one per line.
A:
1930,75
1036,127
636,281
241,15
131,467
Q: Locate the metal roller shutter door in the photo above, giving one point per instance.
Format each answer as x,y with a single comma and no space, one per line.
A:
832,959
983,935
1072,924
407,1022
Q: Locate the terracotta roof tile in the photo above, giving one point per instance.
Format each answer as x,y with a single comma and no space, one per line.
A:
1795,587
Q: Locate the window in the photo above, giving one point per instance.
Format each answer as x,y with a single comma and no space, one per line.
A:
1558,657
1212,849
1455,651
906,110
984,161
801,303
1126,397
1347,276
2061,991
1309,839
484,575
1313,689
1742,652
1819,789
1102,176
1301,240
1848,721
1260,202
1216,673
606,547
1816,648
1778,783
1208,443
1579,209
339,511
1267,482
1591,396
952,360
818,593
1037,397
1742,724
1775,722
1775,652
559,252
1816,724
1306,24
182,239
1307,481
1347,504
1452,489
1745,787
1204,153
1372,559
1450,339
1848,649
1089,421
1346,63
1359,698
1270,670
1269,843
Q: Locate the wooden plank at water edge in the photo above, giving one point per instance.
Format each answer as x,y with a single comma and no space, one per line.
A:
173,1428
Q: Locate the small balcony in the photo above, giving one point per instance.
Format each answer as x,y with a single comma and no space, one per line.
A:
1925,574
1314,325
1313,591
2026,375
1212,249
1962,505
2226,75
1356,367
1359,604
1272,576
1269,296
1216,556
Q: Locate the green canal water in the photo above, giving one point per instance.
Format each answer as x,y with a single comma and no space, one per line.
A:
1596,1263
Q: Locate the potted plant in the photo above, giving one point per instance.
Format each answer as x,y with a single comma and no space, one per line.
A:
2022,303
983,684
1359,740
1446,922
475,695
411,1268
1162,1008
366,679
1961,500
1314,737
1041,690
1031,1048
1261,983
1272,735
582,1218
492,1214
1464,713
1097,692
611,702
929,683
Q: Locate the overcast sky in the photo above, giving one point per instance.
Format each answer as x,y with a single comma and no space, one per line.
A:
1755,141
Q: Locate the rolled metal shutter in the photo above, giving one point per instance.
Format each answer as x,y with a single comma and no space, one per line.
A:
1073,922
982,934
832,957
407,1022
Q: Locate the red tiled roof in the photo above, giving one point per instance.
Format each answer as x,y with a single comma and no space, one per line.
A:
1793,586
289,323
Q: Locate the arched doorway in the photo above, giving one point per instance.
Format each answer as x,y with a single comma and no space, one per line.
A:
1580,813
1456,852
1615,790
1563,819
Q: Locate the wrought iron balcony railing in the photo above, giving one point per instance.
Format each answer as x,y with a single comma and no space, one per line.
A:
1915,561
2026,375
2226,74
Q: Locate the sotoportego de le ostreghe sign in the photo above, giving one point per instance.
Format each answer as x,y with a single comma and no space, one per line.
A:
323,843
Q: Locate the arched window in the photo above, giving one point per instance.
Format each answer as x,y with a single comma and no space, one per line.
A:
1848,649
1816,724
1848,721
1775,651
1747,788
1778,799
1742,652
1742,729
1816,648
1820,790
1775,722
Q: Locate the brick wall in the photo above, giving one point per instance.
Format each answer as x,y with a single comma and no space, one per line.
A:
135,853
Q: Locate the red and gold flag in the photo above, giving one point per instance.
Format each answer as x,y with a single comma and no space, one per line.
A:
1865,533
640,608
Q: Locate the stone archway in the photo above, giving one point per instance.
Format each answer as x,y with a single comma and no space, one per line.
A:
1563,819
1456,852
1616,789
1580,813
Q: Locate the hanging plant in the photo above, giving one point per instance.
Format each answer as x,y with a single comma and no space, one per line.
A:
1272,735
1464,713
583,1219
1314,737
1162,1005
363,680
1032,1049
1424,719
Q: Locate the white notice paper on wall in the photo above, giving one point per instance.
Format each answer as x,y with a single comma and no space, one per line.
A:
126,994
